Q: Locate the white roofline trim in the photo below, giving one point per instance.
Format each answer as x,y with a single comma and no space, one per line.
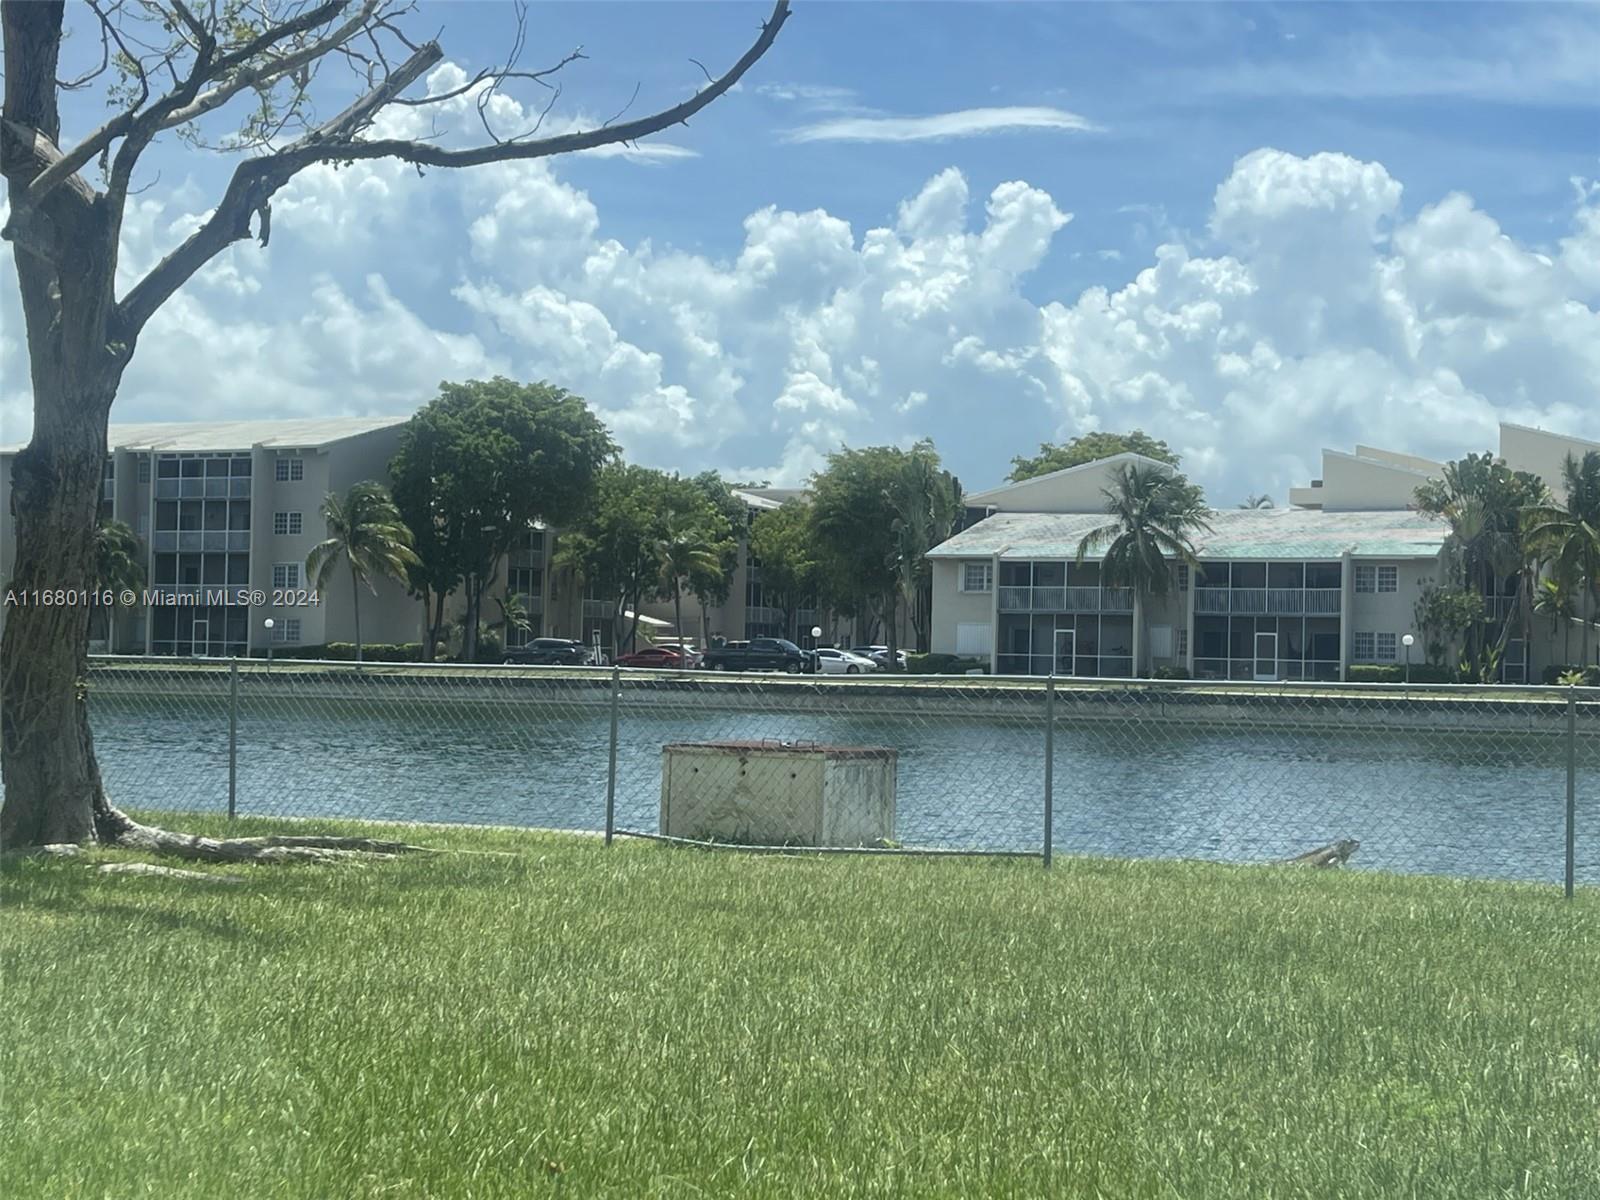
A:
1124,456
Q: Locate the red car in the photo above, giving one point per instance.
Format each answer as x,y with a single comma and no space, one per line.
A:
654,656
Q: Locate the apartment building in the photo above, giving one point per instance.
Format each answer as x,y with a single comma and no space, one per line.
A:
1297,593
226,512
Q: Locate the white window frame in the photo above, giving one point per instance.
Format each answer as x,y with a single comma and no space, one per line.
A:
1388,577
974,639
1366,577
286,575
1363,638
1182,637
287,524
290,469
988,576
286,630
1386,647
1183,577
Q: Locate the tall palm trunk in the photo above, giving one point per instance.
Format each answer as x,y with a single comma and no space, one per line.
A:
355,600
677,620
1141,634
705,625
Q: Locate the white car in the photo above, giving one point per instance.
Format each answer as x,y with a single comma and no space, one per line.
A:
842,662
879,656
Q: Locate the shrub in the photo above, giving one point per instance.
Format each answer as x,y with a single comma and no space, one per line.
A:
346,652
1396,673
1170,673
941,664
1589,675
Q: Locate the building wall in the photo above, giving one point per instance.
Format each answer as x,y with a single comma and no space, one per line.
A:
1540,452
1389,612
952,607
1351,484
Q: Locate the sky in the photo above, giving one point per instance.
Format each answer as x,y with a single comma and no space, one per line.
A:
1251,230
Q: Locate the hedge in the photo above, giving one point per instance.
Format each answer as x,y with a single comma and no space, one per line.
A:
1420,673
942,664
346,652
1170,673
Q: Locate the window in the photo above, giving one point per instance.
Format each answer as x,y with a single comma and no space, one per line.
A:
286,630
1366,578
1363,647
1386,643
1389,579
144,470
1183,643
286,523
285,575
977,576
1183,577
291,469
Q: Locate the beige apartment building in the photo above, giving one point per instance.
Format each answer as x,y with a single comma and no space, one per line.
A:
226,512
1303,592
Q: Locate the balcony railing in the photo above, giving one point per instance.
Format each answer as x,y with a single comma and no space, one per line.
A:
194,540
215,488
534,605
1099,666
601,609
1065,599
1267,602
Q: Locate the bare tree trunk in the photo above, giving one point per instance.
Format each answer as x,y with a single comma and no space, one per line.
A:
891,638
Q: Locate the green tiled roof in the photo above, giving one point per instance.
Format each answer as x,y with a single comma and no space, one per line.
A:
1248,533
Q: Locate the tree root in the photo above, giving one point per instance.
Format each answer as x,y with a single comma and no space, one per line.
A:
115,828
138,868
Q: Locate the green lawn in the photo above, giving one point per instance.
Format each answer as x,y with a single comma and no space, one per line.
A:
658,1022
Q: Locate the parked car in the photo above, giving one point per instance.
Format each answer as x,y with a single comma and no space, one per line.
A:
686,648
550,652
841,662
880,655
657,656
760,654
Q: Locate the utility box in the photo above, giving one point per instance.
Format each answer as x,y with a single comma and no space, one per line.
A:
778,793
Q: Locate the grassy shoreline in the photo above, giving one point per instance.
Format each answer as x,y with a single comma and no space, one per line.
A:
647,1021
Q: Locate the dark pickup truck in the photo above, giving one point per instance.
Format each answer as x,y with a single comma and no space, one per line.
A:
760,654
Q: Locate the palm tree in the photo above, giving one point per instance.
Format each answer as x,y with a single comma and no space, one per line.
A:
1254,500
118,562
684,551
364,530
1554,598
1154,516
1568,535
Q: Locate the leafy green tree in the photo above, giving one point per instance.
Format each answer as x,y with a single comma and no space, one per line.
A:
1089,447
615,544
1484,501
479,465
237,77
687,544
927,504
1568,535
1155,516
729,526
1445,615
785,542
118,564
365,532
1555,598
876,514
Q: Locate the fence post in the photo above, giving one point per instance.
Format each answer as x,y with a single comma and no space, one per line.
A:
233,735
611,768
1572,784
1049,763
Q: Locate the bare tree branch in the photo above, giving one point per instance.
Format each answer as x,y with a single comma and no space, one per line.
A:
255,181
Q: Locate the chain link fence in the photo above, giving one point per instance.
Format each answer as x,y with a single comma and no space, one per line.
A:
1458,780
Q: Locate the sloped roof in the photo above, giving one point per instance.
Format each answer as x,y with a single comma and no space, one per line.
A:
1242,533
239,435
979,499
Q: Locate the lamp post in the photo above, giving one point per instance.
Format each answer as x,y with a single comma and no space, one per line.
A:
267,625
816,634
1408,641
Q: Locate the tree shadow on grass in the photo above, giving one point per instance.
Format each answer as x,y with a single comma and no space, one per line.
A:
85,904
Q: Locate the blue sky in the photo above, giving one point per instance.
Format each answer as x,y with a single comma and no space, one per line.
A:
1254,230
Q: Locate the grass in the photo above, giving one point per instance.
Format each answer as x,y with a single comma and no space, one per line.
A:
649,1021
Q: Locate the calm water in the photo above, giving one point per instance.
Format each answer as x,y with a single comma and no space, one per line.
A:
1450,803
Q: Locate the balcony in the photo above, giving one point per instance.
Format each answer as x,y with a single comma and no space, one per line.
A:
534,605
216,488
1065,599
195,540
602,610
1267,602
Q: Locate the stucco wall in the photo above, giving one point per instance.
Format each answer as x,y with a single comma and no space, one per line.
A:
953,607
